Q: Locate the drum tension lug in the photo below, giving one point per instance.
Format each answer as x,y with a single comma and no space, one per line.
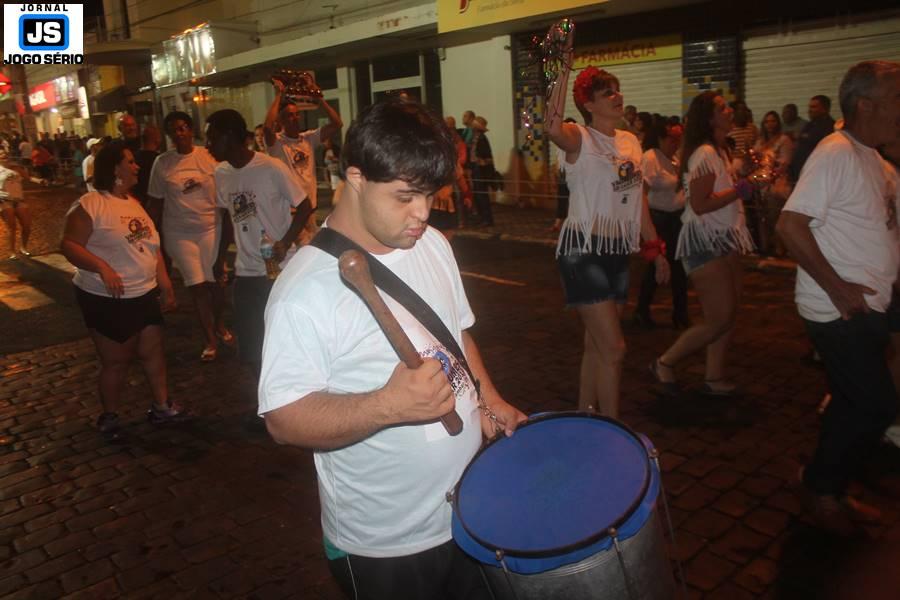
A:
498,554
654,453
449,497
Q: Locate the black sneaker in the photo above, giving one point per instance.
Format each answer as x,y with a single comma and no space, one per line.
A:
158,416
108,424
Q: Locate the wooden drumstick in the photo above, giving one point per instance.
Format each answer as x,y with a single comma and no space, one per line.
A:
355,269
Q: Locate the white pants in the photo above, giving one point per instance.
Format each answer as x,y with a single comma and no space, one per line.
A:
194,254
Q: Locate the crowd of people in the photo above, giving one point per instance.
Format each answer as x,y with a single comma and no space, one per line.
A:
825,192
781,143
52,160
671,189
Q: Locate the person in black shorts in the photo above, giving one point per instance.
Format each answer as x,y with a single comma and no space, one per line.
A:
121,283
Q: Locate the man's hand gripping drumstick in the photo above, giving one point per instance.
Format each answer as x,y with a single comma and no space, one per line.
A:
418,389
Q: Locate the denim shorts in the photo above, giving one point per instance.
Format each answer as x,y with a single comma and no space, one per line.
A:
591,278
692,262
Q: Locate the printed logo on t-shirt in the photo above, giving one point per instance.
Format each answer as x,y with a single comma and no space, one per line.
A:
138,229
299,158
189,185
244,206
890,203
454,371
629,176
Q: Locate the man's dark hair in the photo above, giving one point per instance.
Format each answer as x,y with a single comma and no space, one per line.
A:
177,115
401,139
229,121
285,102
825,100
105,164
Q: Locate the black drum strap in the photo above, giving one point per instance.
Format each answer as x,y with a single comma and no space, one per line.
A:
336,243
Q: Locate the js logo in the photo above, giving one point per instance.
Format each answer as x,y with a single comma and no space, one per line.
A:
44,32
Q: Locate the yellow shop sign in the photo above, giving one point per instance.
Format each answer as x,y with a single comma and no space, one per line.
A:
630,51
464,14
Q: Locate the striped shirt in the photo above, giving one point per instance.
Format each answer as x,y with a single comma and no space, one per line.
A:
744,138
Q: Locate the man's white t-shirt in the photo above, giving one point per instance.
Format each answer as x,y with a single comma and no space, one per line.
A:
124,236
299,156
187,184
87,171
385,495
851,195
258,196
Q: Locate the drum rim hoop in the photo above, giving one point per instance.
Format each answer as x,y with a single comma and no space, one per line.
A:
574,546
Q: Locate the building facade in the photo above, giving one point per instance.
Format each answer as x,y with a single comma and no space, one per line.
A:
150,58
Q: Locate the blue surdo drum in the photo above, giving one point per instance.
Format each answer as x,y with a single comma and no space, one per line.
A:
565,509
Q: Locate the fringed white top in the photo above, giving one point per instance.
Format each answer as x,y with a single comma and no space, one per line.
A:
723,230
604,195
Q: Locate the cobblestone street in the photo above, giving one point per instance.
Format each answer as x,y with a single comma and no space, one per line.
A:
212,508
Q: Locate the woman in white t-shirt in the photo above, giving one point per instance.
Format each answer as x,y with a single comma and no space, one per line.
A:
660,166
712,237
607,217
13,208
182,180
775,149
120,282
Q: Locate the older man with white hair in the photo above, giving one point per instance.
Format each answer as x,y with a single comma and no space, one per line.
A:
841,226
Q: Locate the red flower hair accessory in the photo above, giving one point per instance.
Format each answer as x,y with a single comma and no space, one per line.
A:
584,85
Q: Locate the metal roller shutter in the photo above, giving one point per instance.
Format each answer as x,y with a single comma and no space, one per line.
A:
654,87
794,65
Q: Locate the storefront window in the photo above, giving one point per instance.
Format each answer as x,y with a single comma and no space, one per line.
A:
395,67
326,79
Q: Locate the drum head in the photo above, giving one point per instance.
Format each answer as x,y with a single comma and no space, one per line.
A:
558,484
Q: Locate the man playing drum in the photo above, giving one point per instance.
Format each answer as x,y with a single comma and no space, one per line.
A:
331,380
